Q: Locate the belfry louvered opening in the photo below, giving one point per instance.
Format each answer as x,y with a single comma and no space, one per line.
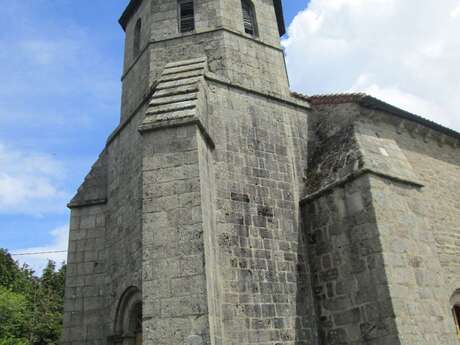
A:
186,16
249,17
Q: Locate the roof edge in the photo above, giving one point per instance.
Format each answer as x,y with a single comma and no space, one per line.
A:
371,102
134,5
128,12
280,16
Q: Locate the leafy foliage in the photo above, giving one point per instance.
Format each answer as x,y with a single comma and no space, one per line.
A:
13,277
14,317
31,308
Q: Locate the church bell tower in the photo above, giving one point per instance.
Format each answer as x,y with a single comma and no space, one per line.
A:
186,231
239,38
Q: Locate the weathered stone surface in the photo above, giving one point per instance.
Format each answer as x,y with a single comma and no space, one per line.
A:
240,215
373,223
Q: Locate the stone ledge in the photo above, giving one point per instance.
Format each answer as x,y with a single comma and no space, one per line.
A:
189,88
178,122
353,176
293,101
86,203
182,36
402,119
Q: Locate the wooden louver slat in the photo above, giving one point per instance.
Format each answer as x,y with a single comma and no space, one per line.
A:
187,16
248,18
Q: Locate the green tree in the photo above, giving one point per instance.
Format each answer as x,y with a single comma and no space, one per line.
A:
31,308
48,301
13,277
14,318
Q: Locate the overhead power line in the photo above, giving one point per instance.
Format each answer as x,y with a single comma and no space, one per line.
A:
39,253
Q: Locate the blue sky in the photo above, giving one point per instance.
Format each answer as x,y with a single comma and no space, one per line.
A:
60,67
60,62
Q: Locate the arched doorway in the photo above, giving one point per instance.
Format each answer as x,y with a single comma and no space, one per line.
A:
135,326
455,303
128,320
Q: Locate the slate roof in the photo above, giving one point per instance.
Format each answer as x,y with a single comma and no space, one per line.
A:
370,102
134,4
93,191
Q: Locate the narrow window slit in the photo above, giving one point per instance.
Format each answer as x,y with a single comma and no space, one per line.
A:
137,38
249,17
186,16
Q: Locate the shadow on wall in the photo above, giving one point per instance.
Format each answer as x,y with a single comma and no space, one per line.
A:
352,299
306,326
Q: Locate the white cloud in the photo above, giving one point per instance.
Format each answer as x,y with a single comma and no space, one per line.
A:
386,48
30,183
456,11
59,243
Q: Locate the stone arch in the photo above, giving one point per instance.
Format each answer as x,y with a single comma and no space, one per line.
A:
128,319
455,304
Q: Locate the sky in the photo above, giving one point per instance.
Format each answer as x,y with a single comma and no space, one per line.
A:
60,68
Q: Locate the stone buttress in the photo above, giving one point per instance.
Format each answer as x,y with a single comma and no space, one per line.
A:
378,273
226,210
199,222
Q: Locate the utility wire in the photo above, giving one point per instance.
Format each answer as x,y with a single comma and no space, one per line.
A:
39,253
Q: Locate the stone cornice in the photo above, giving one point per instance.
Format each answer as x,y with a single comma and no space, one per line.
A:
86,203
128,119
138,57
353,176
423,130
298,103
402,118
204,32
192,120
279,98
405,116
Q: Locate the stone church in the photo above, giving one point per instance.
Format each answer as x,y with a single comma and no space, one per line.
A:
227,210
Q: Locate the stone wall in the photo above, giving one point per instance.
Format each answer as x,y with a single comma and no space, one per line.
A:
349,279
135,78
174,267
86,285
396,228
436,162
136,86
416,280
211,15
144,13
253,62
240,60
200,213
105,250
263,275
123,238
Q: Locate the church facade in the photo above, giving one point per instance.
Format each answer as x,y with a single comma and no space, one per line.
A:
227,210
